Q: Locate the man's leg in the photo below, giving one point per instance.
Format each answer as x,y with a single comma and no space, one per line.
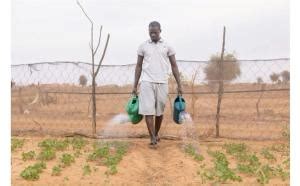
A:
162,97
150,126
147,107
158,121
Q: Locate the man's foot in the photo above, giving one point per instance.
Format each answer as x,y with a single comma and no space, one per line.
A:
153,141
157,138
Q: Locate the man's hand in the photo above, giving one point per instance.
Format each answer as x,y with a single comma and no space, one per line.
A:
134,91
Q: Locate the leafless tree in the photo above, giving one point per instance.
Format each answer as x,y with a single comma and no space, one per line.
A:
95,72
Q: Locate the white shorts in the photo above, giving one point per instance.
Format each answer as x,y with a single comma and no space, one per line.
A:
152,98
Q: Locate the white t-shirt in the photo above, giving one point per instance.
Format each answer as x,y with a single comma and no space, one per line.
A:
156,64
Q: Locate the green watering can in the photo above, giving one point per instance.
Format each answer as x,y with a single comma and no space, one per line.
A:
132,109
179,106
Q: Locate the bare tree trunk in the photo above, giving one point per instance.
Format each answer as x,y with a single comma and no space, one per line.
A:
94,128
221,88
94,73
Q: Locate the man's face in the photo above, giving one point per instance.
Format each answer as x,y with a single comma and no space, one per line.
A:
154,33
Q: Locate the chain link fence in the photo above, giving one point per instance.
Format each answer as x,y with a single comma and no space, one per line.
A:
51,98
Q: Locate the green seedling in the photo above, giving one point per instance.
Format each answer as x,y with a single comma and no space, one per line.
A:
32,172
86,169
189,149
56,171
67,159
54,144
16,143
109,154
221,172
267,154
112,169
265,172
78,142
235,148
47,154
28,155
251,165
284,175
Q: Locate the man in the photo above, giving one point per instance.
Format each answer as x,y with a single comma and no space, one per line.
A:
154,57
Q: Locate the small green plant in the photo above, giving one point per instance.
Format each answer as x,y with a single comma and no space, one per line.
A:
47,154
86,169
56,171
67,159
54,144
281,173
239,150
198,157
47,143
286,163
251,166
221,173
265,172
112,169
78,142
109,154
235,148
189,149
206,174
282,148
16,143
41,165
32,172
267,154
100,152
28,155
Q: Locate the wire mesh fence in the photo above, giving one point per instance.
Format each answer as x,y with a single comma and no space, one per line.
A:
51,98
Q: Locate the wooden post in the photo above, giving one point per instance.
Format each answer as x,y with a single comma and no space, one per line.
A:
221,88
193,91
258,101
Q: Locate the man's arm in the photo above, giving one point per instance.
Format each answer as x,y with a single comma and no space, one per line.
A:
175,72
138,71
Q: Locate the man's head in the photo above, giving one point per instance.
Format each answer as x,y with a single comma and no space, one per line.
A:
154,31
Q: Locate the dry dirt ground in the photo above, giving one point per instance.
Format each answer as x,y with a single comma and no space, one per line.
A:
168,164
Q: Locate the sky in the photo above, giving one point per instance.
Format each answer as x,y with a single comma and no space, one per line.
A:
57,30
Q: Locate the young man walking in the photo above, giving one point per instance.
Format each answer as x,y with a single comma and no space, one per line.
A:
154,58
